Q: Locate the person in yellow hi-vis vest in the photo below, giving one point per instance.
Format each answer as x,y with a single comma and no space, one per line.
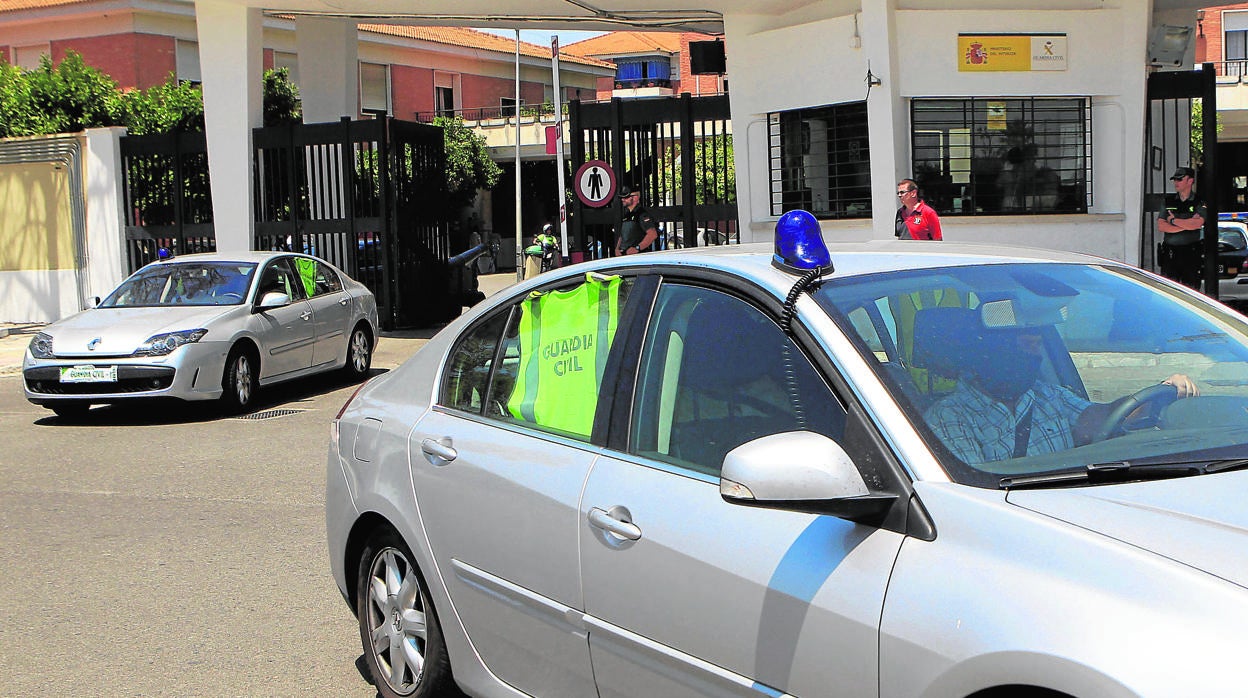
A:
307,274
564,340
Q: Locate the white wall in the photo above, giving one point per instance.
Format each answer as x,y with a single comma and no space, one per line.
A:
817,61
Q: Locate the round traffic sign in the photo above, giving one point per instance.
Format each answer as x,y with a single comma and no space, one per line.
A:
595,183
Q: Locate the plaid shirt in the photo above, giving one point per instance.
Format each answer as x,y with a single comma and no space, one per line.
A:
978,429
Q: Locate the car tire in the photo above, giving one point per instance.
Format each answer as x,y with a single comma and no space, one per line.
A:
70,410
398,622
239,384
359,353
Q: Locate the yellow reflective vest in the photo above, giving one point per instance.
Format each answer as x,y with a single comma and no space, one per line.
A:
564,340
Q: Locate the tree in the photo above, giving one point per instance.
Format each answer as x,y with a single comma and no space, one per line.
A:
170,107
281,98
468,163
62,98
1198,131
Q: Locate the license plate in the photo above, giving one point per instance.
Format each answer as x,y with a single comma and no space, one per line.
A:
89,374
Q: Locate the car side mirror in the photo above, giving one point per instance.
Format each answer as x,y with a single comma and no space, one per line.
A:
273,299
800,471
97,301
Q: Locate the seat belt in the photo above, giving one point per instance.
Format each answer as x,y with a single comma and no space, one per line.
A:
1022,432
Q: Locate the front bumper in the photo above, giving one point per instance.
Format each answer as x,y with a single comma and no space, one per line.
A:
191,372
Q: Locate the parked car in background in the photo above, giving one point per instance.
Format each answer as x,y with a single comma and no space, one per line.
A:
728,471
1232,260
205,327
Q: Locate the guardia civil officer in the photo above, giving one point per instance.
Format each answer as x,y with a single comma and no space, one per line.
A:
638,231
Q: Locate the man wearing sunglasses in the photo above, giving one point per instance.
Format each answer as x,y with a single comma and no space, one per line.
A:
1181,257
915,219
638,231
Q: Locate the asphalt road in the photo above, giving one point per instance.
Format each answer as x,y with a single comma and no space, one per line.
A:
164,549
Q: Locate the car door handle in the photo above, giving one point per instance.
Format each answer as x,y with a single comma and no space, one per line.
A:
611,523
306,314
441,450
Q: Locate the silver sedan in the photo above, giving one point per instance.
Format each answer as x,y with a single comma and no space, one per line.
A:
888,469
205,327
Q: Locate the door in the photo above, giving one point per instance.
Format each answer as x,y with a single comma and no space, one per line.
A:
506,454
331,309
687,595
287,333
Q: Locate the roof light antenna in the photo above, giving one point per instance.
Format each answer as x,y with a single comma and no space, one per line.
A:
799,249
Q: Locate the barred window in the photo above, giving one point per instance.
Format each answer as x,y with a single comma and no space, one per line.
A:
820,161
995,156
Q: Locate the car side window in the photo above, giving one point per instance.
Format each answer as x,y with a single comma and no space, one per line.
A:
316,278
278,277
545,365
717,372
467,379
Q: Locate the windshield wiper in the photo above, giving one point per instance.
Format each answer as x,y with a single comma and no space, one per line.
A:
1100,473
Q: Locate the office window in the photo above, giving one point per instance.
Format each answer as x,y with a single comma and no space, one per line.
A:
820,161
27,57
994,156
444,93
187,58
290,62
374,88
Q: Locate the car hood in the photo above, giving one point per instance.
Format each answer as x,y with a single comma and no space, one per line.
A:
1200,521
121,330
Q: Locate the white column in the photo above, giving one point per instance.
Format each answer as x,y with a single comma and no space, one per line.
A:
886,113
230,59
105,218
329,71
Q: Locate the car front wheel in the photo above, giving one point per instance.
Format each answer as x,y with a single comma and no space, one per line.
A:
402,639
239,382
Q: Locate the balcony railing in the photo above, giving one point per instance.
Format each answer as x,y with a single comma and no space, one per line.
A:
1231,71
545,112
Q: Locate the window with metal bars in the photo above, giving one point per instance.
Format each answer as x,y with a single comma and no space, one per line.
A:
1003,156
820,161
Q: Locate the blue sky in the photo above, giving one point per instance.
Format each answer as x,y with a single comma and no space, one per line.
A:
541,37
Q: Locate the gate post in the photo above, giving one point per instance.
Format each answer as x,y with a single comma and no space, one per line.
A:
1209,175
689,187
578,158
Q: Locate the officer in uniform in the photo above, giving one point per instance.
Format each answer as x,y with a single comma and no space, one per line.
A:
638,231
1181,225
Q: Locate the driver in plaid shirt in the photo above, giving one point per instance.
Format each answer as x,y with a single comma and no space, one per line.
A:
1001,410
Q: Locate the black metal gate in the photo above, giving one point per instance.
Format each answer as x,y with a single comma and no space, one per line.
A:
1169,144
368,196
677,151
166,196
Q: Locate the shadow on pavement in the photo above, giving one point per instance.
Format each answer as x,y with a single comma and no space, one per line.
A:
148,412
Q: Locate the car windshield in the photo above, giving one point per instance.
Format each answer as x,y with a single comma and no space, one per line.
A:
1022,369
184,283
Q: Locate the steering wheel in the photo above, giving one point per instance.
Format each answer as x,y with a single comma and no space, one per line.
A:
231,296
1159,395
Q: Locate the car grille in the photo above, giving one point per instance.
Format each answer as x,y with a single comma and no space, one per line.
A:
130,379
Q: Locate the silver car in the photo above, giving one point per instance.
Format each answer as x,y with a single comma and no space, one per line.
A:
205,327
888,469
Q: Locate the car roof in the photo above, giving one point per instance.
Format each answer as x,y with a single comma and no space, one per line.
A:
245,256
753,261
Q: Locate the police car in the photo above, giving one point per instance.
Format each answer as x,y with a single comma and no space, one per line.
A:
889,468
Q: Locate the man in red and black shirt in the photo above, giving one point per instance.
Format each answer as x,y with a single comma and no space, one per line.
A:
915,219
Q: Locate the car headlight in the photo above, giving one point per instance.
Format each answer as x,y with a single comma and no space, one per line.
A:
162,344
41,346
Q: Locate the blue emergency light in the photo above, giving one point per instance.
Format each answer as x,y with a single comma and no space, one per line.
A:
799,244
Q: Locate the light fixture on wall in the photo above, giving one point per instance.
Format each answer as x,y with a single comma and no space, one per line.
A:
1167,45
1200,22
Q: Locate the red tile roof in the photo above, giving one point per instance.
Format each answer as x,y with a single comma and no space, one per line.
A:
471,38
622,43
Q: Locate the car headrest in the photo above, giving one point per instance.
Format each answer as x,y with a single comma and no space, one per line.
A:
943,338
